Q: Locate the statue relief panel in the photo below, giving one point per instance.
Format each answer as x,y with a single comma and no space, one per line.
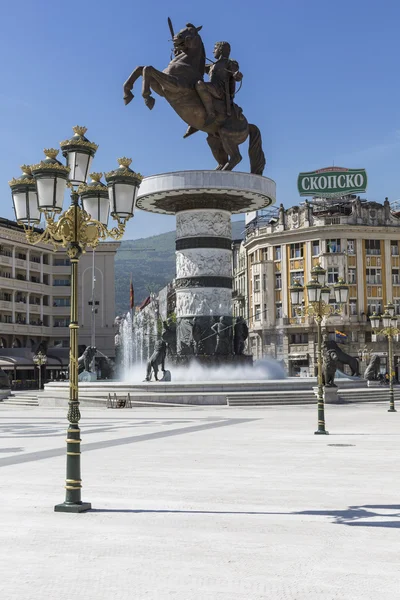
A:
196,223
203,302
204,261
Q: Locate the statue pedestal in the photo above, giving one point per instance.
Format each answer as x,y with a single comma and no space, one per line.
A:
203,202
331,395
373,383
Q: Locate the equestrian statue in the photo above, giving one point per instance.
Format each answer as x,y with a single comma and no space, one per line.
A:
205,106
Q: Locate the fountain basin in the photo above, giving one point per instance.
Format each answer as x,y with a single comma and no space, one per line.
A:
191,393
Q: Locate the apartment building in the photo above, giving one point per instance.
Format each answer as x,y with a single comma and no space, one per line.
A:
35,295
351,238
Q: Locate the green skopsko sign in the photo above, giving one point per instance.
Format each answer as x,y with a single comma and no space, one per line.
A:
332,182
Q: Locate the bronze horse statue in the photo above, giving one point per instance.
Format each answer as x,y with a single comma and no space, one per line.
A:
177,84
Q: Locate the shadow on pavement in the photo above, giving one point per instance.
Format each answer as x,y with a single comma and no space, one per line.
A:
361,516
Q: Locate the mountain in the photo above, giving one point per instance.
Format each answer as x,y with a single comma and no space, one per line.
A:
151,263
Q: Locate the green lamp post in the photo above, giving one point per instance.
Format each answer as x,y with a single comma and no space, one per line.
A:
318,307
39,193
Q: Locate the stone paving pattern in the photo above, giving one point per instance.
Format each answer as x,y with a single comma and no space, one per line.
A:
203,503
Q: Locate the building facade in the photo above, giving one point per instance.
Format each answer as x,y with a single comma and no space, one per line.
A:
353,239
35,294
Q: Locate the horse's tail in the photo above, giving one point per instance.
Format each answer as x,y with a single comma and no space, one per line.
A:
256,154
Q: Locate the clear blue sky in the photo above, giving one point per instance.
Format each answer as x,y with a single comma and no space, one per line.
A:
321,80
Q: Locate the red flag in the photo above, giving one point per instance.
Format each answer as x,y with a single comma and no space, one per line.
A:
132,296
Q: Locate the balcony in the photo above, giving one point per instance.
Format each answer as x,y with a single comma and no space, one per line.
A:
237,295
61,311
16,328
34,308
5,260
34,266
6,305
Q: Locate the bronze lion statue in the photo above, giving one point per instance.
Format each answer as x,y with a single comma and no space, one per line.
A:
329,366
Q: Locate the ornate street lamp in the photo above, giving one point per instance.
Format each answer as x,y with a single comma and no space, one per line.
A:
319,274
296,293
318,295
24,197
40,359
389,330
75,229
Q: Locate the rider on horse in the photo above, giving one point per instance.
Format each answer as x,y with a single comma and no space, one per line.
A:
223,75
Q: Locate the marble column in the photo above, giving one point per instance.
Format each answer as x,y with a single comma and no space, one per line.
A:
204,280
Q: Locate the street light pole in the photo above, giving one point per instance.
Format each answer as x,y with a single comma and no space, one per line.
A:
40,192
390,329
318,296
40,359
321,404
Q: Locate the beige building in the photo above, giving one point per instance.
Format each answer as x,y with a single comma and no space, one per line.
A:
35,293
350,238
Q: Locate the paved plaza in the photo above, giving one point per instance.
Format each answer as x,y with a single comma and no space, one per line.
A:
203,503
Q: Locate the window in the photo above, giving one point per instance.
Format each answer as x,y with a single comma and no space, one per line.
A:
265,253
278,281
62,322
353,307
256,283
352,276
315,248
395,276
277,252
252,258
278,311
333,274
372,247
396,303
61,262
337,307
62,302
332,336
351,245
394,246
297,276
374,306
60,282
296,250
257,314
264,282
374,276
368,336
333,246
299,338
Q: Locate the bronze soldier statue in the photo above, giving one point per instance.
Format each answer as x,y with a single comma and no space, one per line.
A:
198,103
223,74
241,333
222,329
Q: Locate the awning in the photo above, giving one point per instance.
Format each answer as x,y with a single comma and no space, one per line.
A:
23,363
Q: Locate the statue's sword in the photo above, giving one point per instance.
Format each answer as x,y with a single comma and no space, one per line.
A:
171,28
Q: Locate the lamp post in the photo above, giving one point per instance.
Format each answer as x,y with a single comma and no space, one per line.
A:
390,328
318,307
38,193
40,359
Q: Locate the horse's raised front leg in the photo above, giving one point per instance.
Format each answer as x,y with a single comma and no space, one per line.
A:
158,81
128,85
